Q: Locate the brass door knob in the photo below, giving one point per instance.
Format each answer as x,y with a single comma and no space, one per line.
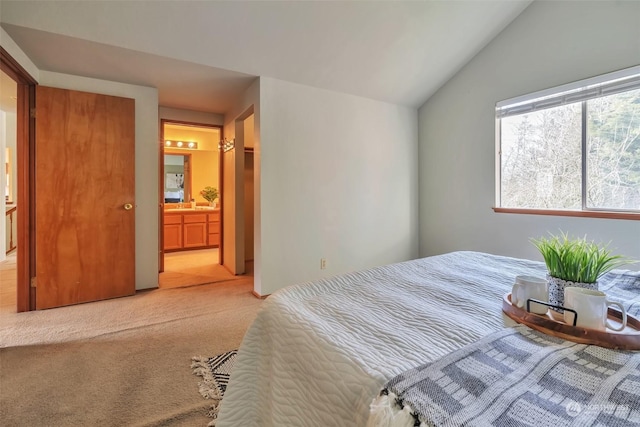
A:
128,206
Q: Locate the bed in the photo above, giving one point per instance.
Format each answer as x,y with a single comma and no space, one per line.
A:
173,196
319,353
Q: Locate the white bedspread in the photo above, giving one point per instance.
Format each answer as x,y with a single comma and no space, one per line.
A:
318,353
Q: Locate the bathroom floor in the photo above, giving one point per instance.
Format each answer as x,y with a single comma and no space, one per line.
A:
188,268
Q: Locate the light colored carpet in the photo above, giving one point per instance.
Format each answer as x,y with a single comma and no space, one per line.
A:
123,362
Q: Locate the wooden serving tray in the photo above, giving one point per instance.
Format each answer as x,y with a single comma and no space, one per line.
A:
553,324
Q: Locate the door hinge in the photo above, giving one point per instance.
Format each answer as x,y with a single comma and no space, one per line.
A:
33,282
32,113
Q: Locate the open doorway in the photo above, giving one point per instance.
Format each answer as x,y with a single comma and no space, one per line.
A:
190,195
8,179
249,191
19,88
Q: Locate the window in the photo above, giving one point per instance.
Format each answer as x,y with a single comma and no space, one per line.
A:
574,148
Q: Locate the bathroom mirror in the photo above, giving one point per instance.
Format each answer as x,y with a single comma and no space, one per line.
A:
177,178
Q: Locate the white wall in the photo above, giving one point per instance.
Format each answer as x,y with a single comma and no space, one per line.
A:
233,216
16,53
337,180
549,44
199,117
146,163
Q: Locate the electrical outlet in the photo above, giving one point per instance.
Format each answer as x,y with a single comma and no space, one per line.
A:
323,263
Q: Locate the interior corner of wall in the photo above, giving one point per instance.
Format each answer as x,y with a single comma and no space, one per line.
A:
18,54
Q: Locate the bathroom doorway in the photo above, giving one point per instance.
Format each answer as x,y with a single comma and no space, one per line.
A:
190,201
8,231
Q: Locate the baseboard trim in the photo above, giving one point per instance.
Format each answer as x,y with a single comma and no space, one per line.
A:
257,295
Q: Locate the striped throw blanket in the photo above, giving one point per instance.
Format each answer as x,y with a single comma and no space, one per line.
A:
517,377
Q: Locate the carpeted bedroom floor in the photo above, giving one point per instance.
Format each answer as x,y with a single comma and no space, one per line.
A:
123,362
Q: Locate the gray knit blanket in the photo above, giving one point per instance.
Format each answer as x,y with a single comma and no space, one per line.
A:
623,286
521,377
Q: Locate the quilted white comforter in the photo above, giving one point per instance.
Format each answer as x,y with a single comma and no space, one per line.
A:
318,353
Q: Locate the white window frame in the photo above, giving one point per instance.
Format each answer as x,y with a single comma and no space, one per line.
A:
571,93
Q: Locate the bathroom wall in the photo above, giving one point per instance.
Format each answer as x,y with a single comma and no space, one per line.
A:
205,169
204,172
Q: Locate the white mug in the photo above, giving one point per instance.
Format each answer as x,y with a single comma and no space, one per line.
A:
592,307
530,287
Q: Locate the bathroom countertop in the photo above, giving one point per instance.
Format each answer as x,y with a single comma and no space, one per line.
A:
197,209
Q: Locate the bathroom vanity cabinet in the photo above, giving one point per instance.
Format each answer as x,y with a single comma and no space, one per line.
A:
191,229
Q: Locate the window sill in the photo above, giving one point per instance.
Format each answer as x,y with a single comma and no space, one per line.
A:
583,214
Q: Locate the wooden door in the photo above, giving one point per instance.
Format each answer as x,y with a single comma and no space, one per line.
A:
84,185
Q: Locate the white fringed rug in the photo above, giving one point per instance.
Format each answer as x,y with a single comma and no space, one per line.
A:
215,372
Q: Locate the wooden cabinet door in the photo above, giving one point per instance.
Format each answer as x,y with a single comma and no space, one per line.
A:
214,229
214,239
84,197
172,236
195,235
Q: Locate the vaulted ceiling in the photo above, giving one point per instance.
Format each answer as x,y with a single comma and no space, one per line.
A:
201,55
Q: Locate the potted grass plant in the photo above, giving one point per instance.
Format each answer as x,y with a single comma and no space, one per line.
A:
574,262
210,194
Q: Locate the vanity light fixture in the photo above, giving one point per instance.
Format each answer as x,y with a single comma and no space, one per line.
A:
226,145
181,144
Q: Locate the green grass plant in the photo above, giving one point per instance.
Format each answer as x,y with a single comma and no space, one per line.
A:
577,259
210,194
